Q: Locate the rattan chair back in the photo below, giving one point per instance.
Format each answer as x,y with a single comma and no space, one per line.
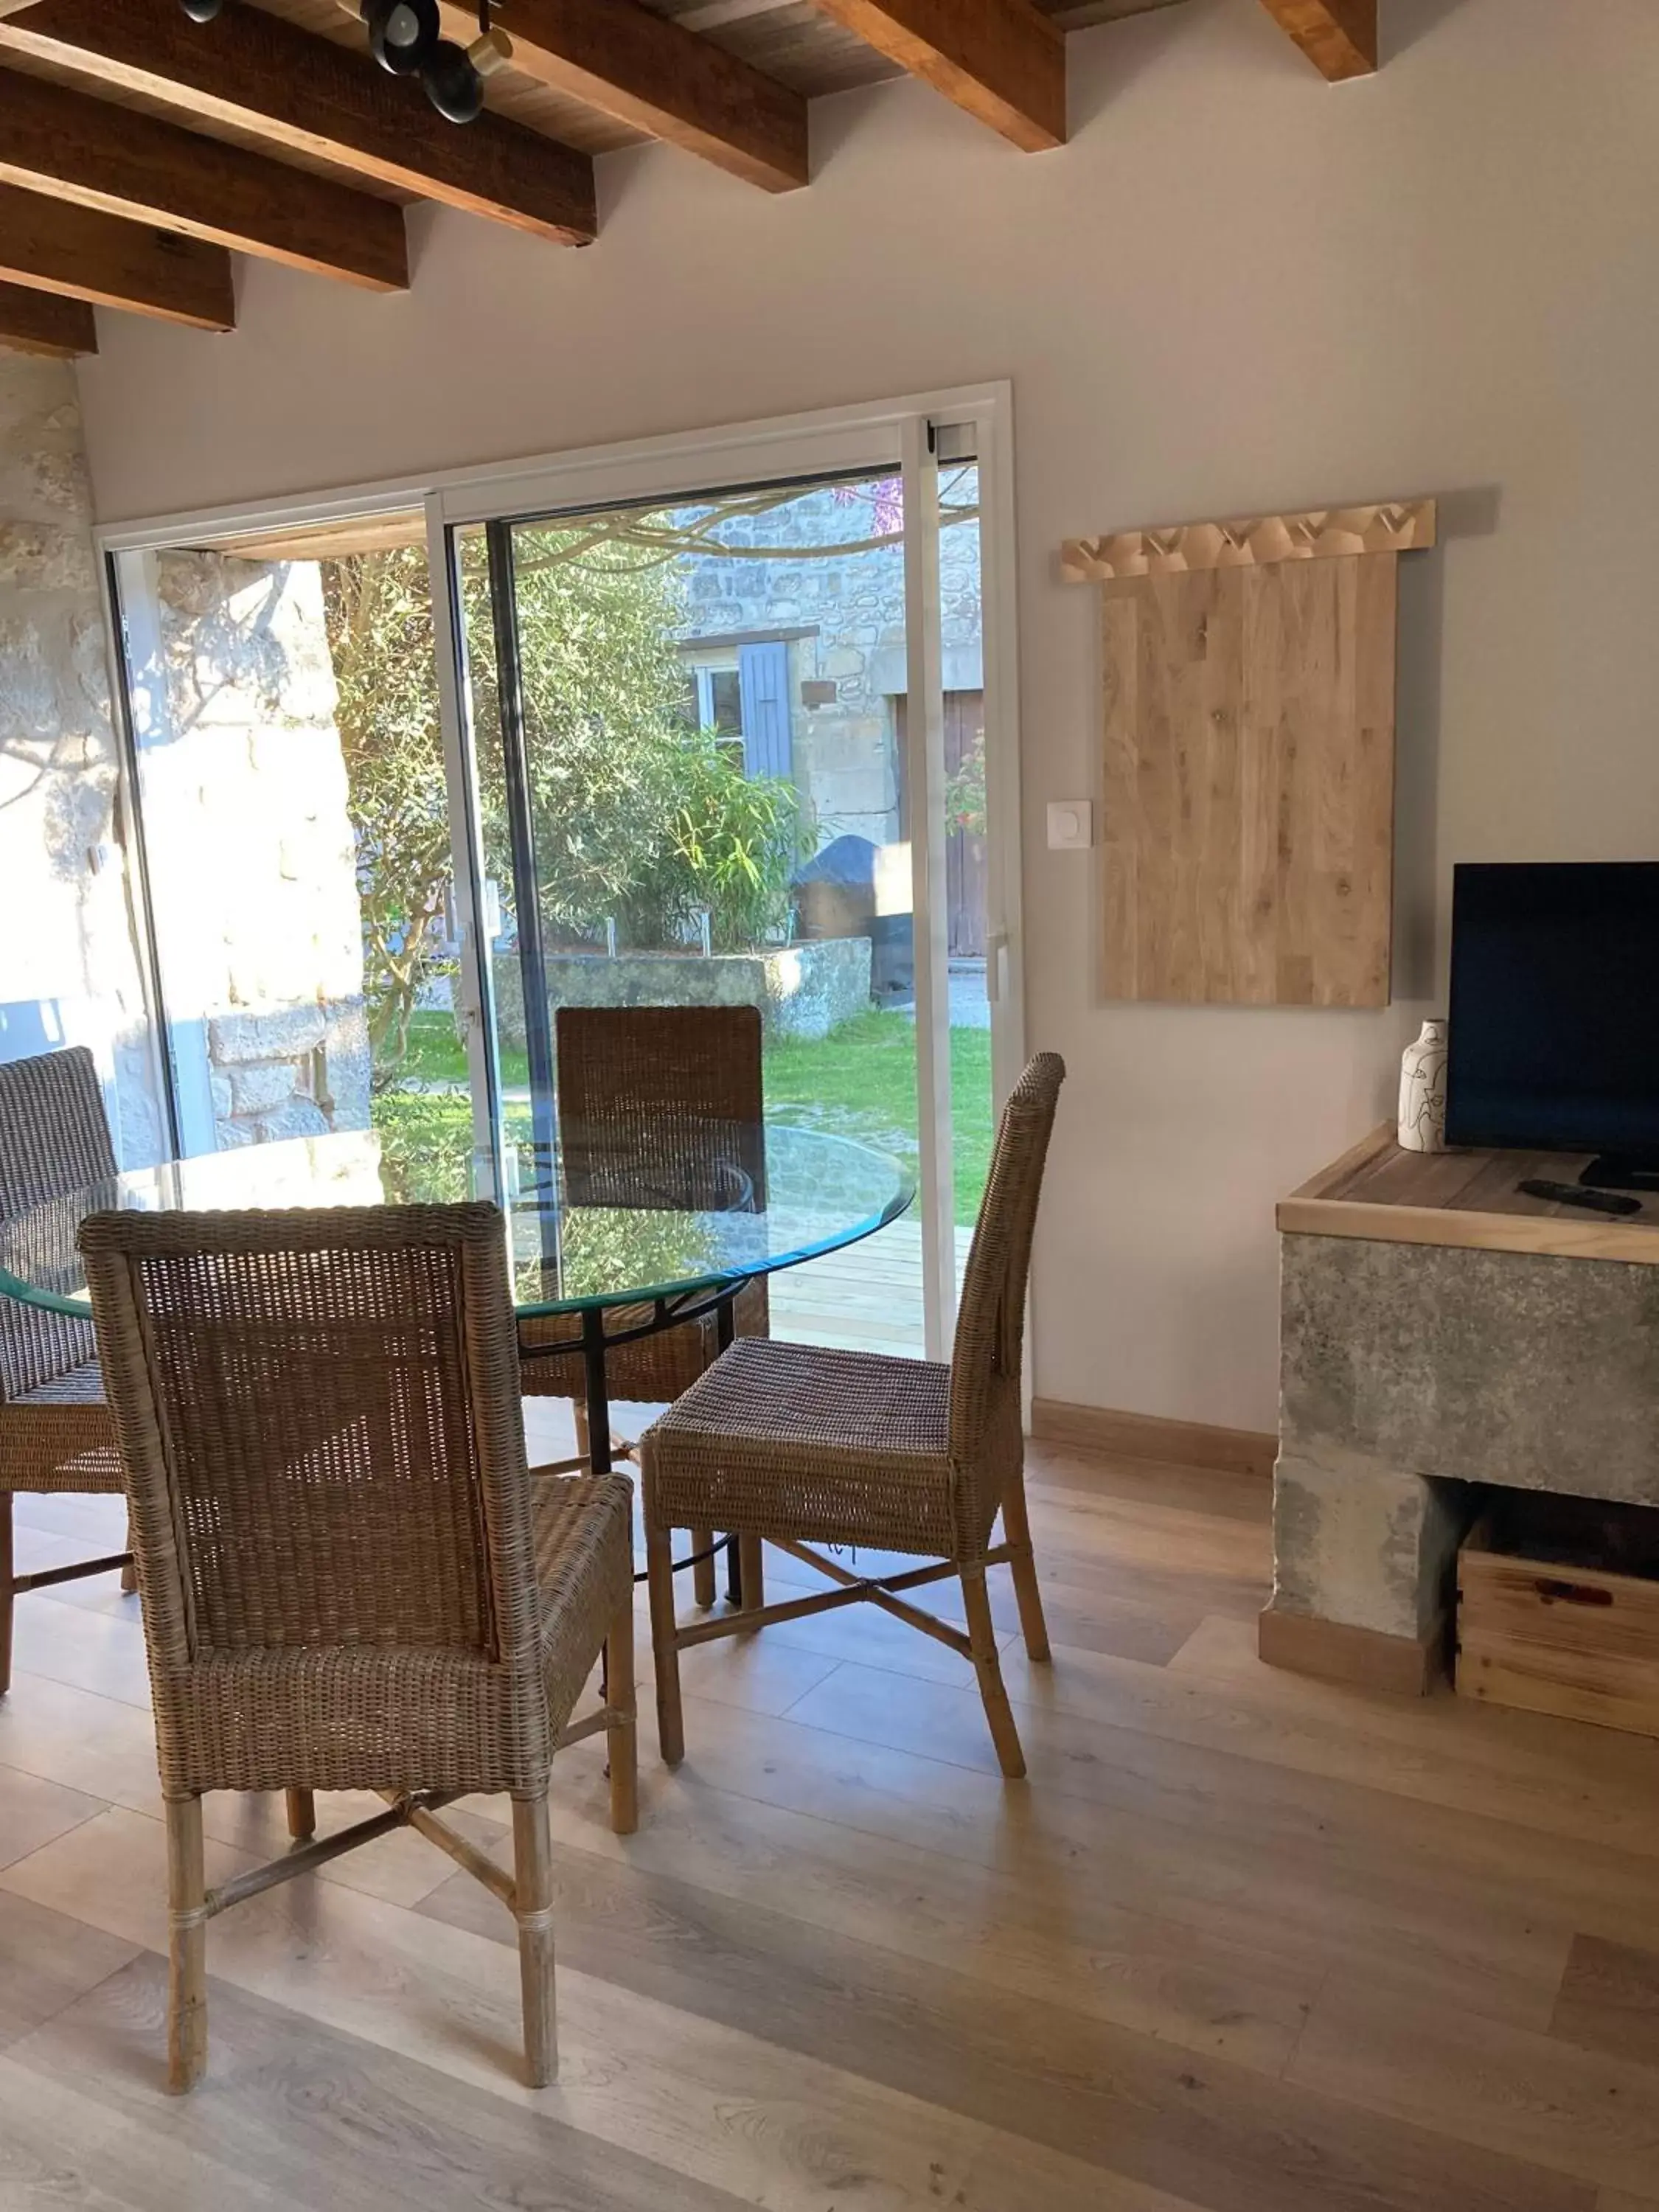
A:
985,1424
319,1417
54,1140
661,1106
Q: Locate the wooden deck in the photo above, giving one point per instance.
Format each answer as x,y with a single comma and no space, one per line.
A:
865,1299
1244,1943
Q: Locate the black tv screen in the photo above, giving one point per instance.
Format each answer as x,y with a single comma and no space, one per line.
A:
1554,1030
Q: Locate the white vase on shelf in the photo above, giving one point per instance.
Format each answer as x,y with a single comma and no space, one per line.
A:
1422,1091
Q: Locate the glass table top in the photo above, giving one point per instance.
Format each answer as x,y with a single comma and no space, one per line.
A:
764,1199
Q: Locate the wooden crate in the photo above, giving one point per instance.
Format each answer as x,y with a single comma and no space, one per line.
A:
1540,1630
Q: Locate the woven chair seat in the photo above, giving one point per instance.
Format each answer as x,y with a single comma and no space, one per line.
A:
799,1441
268,1718
60,1438
582,1534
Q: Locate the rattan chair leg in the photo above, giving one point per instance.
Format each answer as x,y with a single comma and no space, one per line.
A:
703,1586
664,1641
187,1945
532,1878
981,1634
130,1572
621,1736
1016,1527
579,1422
751,1573
301,1815
8,1596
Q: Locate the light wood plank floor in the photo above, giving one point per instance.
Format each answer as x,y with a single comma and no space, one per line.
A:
1242,1943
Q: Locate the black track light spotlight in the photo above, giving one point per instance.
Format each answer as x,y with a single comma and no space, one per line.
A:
453,83
203,11
403,34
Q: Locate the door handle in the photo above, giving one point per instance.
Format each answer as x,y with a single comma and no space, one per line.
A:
996,951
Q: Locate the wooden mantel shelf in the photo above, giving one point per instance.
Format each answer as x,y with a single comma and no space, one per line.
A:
1381,1194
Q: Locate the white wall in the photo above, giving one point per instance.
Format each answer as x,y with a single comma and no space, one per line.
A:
1237,289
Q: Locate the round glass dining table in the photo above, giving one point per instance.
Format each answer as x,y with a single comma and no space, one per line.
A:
622,1246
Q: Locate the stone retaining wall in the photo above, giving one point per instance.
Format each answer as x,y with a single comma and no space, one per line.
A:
803,991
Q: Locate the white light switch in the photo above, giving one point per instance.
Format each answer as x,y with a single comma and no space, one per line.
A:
1070,824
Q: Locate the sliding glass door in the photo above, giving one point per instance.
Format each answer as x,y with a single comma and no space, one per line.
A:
702,783
291,789
722,724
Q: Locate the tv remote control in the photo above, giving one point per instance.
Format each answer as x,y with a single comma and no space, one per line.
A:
1572,1194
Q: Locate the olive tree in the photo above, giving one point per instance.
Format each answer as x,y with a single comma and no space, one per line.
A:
639,816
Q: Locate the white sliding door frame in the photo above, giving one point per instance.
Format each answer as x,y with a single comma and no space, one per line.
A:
474,995
924,767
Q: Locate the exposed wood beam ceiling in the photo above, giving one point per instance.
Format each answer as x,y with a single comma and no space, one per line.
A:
88,255
665,82
305,94
1000,59
44,323
137,147
57,140
1338,37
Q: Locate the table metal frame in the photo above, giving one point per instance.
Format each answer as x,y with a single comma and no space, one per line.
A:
594,1340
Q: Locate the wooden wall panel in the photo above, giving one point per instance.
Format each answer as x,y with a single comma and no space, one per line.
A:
1248,784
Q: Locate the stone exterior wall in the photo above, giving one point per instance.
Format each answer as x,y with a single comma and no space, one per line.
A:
68,970
851,607
252,855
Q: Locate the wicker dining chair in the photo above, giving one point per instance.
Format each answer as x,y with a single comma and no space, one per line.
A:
799,1446
56,1434
349,1579
658,1106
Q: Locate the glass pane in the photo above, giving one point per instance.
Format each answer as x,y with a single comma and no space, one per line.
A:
291,779
565,1251
713,707
965,830
71,973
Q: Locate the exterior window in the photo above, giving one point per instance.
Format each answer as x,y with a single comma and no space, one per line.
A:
719,700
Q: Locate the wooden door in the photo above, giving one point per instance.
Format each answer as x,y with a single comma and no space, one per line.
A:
964,844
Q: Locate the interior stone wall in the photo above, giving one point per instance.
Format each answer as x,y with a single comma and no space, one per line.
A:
68,970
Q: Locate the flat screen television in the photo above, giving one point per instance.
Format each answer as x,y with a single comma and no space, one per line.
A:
1554,1031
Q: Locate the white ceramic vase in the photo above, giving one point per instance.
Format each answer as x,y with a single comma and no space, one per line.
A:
1422,1091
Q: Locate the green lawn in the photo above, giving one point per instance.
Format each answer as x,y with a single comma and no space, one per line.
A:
859,1081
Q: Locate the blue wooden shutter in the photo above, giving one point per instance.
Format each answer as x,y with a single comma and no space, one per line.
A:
763,681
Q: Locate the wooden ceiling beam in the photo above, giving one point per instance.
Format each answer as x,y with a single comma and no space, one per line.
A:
1002,60
1338,37
56,141
650,73
44,323
313,97
85,254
